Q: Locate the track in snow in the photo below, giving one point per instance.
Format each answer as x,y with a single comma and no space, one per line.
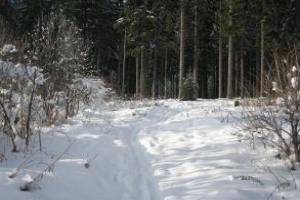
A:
167,150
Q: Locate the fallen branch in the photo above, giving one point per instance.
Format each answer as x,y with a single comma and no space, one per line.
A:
33,184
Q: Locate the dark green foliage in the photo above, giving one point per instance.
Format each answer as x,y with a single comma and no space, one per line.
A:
154,25
237,103
189,89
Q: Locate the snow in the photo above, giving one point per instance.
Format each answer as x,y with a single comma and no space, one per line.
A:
274,86
294,82
8,49
9,69
148,150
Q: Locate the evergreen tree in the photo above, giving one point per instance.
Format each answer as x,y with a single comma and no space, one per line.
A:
165,40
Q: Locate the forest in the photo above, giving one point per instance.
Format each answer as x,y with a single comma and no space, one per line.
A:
201,97
154,49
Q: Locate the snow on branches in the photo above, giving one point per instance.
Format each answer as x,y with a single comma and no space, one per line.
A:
39,78
275,118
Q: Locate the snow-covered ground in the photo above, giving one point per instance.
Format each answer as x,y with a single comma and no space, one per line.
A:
151,150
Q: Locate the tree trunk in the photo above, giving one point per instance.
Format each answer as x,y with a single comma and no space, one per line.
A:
142,75
40,141
30,105
119,77
230,56
173,84
262,55
182,48
196,48
294,130
220,53
137,75
154,81
124,64
257,64
12,131
236,74
166,75
67,114
277,67
242,72
297,153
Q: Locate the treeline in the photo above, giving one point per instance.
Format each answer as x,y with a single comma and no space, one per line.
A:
171,48
226,48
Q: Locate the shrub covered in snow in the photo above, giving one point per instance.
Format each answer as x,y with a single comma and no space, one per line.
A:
275,119
59,50
7,50
40,80
19,103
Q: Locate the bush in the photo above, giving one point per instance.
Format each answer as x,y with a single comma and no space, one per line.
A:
189,90
274,119
40,78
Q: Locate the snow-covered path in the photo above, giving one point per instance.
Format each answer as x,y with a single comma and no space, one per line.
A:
119,169
164,150
195,156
